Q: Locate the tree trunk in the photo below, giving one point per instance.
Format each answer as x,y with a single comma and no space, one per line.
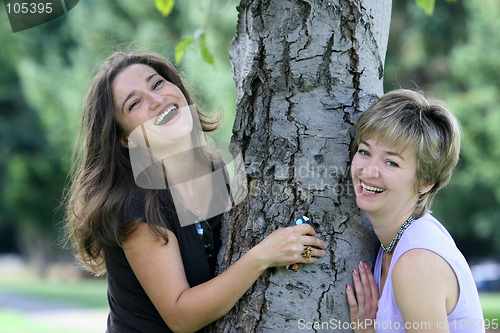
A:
304,70
36,245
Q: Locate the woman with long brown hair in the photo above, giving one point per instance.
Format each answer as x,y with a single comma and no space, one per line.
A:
159,271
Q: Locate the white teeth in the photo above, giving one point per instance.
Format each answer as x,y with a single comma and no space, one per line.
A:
164,114
371,189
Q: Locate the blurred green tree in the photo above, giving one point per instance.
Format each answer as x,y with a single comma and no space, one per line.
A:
458,63
474,93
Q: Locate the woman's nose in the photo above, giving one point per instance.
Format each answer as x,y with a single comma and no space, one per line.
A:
155,100
370,170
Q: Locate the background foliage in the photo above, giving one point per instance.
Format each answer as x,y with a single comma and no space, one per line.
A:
453,55
46,70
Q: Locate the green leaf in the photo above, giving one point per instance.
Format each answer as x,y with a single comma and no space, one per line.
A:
204,51
180,48
164,6
427,6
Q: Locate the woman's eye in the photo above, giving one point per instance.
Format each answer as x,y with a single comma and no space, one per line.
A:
132,105
392,163
363,152
157,84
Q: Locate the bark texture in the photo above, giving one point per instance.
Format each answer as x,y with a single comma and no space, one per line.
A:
305,70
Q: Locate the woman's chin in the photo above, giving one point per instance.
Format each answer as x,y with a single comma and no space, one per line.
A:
366,206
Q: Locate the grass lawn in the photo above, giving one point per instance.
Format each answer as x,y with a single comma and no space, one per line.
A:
88,293
490,302
15,322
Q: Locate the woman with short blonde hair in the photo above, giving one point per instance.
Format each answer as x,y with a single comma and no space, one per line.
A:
404,152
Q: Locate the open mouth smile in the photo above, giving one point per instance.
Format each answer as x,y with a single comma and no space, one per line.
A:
370,189
167,115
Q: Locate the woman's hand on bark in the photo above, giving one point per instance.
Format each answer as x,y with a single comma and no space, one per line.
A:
286,246
364,304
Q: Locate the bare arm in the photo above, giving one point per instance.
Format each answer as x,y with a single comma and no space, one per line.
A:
160,270
425,289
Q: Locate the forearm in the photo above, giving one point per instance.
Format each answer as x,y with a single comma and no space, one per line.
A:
198,306
186,309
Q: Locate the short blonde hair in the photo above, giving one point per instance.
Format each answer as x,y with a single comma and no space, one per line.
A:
407,120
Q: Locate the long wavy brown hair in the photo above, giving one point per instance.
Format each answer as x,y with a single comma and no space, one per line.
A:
101,176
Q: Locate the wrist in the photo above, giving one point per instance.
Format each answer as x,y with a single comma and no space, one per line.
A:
258,263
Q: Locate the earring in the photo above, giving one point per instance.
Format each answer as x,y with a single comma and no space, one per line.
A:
419,191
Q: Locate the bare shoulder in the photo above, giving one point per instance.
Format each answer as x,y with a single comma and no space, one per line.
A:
422,277
418,264
143,234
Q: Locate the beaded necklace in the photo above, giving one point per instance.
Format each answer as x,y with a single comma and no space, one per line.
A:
398,235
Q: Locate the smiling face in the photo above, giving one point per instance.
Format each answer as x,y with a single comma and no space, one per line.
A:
384,180
142,97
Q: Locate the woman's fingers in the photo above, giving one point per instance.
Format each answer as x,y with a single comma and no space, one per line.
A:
296,244
313,241
363,299
365,282
351,299
371,290
373,284
313,247
311,253
308,245
360,291
304,229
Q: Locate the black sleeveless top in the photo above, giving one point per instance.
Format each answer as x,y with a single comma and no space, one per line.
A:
131,310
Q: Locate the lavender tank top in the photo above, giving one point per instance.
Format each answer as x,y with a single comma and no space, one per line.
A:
428,233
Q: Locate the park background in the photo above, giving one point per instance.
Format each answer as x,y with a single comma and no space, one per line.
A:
45,72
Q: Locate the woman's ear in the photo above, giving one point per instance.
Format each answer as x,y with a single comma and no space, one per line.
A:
426,188
127,142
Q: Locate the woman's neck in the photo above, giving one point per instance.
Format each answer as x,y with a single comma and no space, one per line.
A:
174,150
181,167
386,227
185,175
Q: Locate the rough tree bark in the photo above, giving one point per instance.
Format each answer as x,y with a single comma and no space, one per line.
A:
304,70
